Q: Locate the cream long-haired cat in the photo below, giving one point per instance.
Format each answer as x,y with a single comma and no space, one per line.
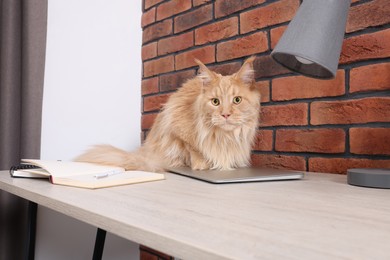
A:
209,123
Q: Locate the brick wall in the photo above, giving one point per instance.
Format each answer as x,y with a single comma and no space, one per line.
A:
306,124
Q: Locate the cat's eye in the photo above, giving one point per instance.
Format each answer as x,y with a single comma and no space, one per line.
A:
215,101
237,100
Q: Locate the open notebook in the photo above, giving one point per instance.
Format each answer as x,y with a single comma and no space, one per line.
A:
250,174
79,174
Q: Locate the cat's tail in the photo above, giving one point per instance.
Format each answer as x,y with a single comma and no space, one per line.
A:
108,155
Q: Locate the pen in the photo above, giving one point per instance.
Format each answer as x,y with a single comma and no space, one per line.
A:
106,174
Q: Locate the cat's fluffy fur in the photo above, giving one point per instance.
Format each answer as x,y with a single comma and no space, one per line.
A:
194,129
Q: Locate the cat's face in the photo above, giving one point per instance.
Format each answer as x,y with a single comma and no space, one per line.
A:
229,102
228,105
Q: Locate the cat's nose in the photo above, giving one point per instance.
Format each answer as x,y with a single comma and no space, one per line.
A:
226,116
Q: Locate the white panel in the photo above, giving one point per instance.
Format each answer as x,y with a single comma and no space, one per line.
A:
91,95
92,77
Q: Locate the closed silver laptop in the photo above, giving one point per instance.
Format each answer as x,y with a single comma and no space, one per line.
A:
250,174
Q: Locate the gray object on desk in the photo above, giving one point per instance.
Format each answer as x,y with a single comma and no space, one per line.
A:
250,174
373,178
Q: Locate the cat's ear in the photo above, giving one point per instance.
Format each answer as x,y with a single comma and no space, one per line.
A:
246,73
204,73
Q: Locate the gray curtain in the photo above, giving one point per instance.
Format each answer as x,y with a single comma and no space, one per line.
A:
23,26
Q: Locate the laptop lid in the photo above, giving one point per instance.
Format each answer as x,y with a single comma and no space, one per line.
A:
250,174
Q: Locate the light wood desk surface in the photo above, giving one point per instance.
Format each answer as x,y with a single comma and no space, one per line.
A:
320,217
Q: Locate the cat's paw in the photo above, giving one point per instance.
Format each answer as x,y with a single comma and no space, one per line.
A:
200,165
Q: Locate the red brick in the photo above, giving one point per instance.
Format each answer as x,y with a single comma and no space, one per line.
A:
174,80
370,77
341,165
148,256
310,140
367,15
370,140
171,8
277,115
193,18
157,30
266,67
366,110
224,8
247,45
149,51
296,87
274,13
153,253
186,59
175,43
149,86
150,3
264,140
158,66
148,17
279,161
152,103
264,88
147,120
276,34
216,31
199,2
226,68
365,47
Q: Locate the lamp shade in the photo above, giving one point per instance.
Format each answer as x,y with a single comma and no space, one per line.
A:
311,44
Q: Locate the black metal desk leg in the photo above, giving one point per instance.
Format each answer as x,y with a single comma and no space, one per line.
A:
99,244
31,229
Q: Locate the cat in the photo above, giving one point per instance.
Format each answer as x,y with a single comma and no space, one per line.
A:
208,123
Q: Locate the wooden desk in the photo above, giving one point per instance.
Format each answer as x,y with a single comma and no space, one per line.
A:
320,217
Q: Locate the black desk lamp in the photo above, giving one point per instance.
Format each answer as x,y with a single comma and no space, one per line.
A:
311,46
